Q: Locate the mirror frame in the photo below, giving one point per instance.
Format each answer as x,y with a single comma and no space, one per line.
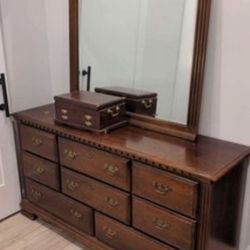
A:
188,131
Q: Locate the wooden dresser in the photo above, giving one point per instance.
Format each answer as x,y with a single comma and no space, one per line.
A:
131,189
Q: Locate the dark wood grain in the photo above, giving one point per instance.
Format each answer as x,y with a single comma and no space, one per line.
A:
163,224
39,142
210,174
106,167
41,170
165,189
207,160
91,111
89,241
122,237
227,196
97,195
188,131
65,208
74,44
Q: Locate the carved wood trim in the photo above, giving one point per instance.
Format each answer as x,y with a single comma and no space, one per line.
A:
204,212
113,150
188,132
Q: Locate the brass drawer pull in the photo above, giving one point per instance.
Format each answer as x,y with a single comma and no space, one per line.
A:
36,141
69,154
115,112
111,202
65,117
36,195
64,111
111,170
88,124
71,185
160,224
109,233
147,103
160,188
38,169
88,117
75,213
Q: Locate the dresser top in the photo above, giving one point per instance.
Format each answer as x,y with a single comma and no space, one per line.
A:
208,160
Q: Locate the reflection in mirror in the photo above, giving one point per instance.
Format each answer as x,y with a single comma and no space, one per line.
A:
144,45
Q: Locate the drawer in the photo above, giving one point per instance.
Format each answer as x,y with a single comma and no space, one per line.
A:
72,212
119,236
166,189
41,170
96,163
100,196
39,142
167,226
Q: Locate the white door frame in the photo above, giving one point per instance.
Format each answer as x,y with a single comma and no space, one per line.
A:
9,182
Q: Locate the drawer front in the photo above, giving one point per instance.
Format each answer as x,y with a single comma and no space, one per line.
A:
39,142
119,236
76,116
99,164
169,190
67,209
41,170
167,226
97,195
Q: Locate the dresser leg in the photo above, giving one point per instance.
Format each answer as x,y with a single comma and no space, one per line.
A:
28,215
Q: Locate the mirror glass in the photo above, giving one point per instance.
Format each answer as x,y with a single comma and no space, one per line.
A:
144,45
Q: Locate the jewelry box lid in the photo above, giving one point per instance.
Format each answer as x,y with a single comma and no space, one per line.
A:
90,100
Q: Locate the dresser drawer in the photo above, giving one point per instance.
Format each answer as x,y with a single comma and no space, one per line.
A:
39,142
97,163
97,195
67,209
41,170
122,237
167,226
169,190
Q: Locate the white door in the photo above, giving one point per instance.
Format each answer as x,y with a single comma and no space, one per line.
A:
9,182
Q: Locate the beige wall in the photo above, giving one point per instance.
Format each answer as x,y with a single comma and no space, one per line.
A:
226,105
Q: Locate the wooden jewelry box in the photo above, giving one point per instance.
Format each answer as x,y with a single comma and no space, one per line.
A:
137,101
91,111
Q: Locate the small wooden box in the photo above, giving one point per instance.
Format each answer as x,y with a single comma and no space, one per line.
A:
137,101
92,111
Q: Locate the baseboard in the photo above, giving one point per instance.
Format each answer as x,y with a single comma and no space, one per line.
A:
10,216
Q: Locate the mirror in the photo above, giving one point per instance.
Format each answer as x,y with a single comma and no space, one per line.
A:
151,47
141,45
